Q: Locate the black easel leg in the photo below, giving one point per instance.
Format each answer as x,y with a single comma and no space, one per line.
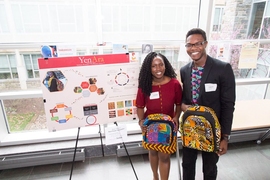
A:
102,149
74,153
265,135
128,156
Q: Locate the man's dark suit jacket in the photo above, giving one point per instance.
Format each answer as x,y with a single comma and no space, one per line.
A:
217,90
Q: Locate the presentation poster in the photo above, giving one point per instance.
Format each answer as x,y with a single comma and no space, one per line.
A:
249,55
81,91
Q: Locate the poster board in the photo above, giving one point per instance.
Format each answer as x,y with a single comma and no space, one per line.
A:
90,90
249,55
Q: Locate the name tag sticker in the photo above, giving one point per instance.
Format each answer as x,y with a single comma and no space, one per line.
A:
154,95
209,87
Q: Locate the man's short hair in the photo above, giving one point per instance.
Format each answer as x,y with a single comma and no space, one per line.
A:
196,31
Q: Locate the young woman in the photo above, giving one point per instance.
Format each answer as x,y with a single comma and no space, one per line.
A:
159,92
52,83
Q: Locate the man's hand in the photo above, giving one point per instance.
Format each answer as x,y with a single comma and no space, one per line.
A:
223,147
184,107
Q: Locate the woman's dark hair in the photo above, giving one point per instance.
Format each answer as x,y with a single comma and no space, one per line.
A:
197,31
53,73
145,76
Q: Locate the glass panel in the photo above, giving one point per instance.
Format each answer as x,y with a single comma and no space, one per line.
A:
54,19
12,61
250,92
136,15
124,18
92,18
256,20
44,18
261,71
158,19
36,74
5,75
146,21
216,19
15,75
267,95
3,20
265,33
169,15
30,73
116,19
30,17
16,12
267,11
79,19
25,114
107,18
8,67
35,60
66,14
179,24
13,65
4,63
30,14
28,65
27,61
264,55
243,73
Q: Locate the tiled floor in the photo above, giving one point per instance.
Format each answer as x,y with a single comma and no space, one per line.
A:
244,161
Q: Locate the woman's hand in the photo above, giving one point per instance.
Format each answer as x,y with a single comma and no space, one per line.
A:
176,121
143,127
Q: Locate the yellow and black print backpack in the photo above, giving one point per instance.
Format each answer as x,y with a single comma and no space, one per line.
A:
160,135
200,129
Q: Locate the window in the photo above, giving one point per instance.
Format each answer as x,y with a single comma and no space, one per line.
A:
3,20
32,18
217,19
31,64
8,69
256,20
265,32
125,18
29,117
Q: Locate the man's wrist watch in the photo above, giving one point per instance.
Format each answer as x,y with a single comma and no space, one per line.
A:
226,137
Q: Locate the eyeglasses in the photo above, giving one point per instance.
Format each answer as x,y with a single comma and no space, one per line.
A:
198,44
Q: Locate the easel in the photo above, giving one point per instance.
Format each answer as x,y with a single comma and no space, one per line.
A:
128,155
76,145
75,150
74,155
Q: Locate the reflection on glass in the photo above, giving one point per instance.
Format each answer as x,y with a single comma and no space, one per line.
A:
25,114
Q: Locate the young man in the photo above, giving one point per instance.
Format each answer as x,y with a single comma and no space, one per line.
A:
207,82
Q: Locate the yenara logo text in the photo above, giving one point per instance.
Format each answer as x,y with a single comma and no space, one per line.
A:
93,60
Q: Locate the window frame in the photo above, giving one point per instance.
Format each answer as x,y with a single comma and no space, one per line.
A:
10,68
33,70
219,19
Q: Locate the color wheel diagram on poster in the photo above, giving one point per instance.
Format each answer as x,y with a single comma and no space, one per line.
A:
88,90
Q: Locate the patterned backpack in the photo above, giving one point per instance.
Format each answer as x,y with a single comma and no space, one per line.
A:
200,129
160,135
